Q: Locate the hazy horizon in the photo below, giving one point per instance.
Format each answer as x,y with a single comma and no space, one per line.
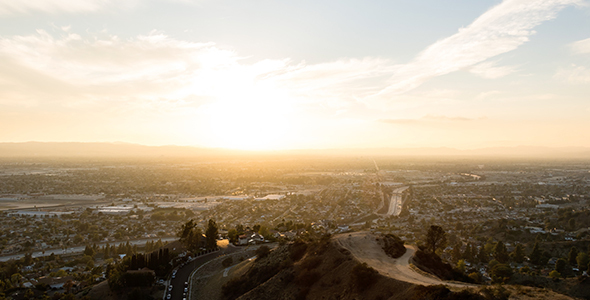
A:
262,75
129,150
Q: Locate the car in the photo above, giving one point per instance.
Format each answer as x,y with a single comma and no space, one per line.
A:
170,287
173,276
185,290
186,283
169,296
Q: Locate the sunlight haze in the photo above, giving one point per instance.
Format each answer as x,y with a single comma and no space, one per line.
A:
275,75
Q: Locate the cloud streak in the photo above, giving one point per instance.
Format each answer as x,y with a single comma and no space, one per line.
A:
574,75
55,6
490,70
581,47
152,69
105,68
430,119
499,30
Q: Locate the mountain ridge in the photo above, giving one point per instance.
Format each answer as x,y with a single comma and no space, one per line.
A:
120,149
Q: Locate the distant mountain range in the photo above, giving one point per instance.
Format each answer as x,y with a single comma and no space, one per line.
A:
73,149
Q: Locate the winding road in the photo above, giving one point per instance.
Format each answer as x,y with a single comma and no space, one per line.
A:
364,247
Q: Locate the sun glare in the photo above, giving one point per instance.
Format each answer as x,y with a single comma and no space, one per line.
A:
251,121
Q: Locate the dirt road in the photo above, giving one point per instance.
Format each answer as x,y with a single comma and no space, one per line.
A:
364,248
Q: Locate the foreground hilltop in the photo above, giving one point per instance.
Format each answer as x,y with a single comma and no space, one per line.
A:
327,269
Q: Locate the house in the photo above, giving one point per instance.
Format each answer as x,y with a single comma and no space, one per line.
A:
58,283
243,239
343,228
256,238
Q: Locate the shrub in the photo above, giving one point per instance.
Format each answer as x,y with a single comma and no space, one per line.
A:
392,245
364,276
307,278
554,275
311,263
501,273
298,250
475,277
262,251
227,262
498,293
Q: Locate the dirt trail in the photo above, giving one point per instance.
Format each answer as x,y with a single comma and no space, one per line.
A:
364,248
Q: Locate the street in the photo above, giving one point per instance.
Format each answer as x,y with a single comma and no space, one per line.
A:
183,273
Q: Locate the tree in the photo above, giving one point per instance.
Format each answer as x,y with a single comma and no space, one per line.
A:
554,275
500,252
536,256
29,294
572,256
483,255
262,251
68,286
518,254
78,239
582,260
435,238
461,265
468,255
211,234
15,279
28,259
232,234
185,230
107,251
456,254
88,251
189,235
560,265
572,224
500,272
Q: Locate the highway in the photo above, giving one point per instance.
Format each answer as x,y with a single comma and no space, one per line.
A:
395,206
183,273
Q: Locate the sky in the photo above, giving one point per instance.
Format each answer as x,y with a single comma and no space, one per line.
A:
306,74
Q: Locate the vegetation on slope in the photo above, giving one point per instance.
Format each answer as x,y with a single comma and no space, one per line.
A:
392,245
321,269
432,263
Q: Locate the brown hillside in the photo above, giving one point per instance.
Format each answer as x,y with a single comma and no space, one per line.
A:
325,270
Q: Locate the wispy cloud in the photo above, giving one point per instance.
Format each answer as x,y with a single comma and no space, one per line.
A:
574,74
499,30
102,68
67,6
148,70
430,119
490,70
581,47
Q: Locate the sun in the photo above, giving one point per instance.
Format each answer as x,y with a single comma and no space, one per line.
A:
260,121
